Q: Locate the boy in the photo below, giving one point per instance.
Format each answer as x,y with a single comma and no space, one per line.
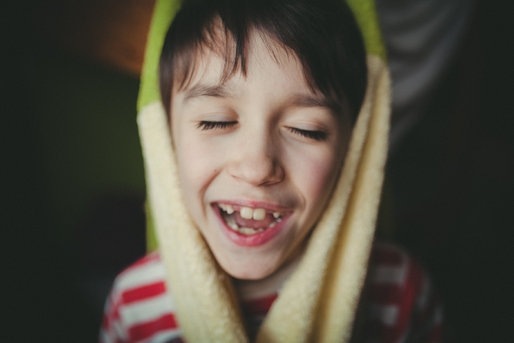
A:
251,202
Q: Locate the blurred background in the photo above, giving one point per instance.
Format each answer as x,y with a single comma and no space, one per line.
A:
72,180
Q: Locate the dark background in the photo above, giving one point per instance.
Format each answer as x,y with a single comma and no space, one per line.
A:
451,182
71,181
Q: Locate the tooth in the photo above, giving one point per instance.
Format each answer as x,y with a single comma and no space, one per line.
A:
273,223
276,214
247,231
259,214
231,222
246,212
223,207
229,209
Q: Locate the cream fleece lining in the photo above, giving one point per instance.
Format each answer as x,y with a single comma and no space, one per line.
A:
319,301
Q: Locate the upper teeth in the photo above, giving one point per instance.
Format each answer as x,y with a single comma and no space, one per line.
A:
253,213
227,208
249,213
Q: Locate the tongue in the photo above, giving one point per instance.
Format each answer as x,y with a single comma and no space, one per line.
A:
252,223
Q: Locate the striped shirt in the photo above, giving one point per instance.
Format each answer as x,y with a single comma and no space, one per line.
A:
399,304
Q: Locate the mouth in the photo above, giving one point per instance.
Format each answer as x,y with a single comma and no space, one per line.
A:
250,226
247,220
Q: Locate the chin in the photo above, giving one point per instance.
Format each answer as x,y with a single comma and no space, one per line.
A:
245,272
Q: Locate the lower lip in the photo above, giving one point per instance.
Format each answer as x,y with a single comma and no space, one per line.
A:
255,240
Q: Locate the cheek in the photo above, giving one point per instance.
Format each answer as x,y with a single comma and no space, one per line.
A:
197,166
315,175
322,176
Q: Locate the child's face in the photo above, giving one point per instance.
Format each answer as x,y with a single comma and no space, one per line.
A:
258,157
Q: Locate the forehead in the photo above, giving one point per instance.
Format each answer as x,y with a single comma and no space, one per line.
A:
215,73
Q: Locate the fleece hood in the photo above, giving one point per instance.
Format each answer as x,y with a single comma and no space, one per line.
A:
319,301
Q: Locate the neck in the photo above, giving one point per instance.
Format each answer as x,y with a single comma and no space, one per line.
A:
251,289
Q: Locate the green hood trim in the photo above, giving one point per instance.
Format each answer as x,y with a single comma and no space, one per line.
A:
366,15
163,14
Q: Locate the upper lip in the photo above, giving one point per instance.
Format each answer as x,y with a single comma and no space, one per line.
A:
254,204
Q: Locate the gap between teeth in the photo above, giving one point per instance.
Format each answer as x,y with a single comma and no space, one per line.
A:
226,208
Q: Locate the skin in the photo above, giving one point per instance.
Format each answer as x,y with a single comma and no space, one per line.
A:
260,140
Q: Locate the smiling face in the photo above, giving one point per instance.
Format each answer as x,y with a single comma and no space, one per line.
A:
258,156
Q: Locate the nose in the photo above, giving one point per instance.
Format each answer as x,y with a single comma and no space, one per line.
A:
256,161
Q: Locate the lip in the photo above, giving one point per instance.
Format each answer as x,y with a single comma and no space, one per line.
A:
253,204
257,239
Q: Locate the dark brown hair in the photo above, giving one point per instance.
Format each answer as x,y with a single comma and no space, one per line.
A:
322,34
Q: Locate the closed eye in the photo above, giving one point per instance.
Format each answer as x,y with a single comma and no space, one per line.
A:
210,125
315,135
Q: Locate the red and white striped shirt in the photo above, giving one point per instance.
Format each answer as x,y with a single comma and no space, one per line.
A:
400,304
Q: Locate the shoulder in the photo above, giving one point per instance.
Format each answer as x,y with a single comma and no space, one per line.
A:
146,272
401,300
139,306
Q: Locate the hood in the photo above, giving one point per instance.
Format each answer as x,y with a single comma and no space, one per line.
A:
319,301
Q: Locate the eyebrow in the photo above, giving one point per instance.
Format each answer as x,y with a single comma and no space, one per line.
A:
199,90
307,100
224,91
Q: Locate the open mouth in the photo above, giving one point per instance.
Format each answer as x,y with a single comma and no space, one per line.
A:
249,221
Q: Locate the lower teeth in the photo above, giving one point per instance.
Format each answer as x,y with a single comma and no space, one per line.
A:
247,231
231,222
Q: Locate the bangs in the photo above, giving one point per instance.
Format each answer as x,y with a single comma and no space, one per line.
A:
321,34
214,38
